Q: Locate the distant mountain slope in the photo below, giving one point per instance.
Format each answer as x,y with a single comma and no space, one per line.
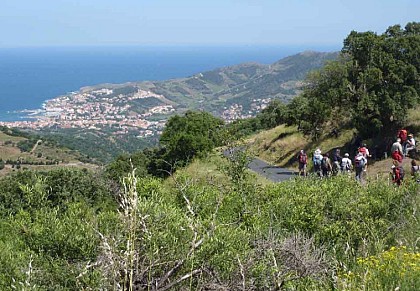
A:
242,83
21,150
246,85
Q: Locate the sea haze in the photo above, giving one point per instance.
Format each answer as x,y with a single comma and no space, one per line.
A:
29,76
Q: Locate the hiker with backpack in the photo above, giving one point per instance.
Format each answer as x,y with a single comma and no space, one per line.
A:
359,165
303,161
326,165
415,171
365,152
346,164
397,173
409,145
397,150
402,134
336,158
317,160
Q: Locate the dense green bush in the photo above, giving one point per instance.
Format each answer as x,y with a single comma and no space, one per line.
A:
124,164
30,190
194,134
337,211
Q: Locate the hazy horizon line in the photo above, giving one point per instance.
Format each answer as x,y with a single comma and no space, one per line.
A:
205,45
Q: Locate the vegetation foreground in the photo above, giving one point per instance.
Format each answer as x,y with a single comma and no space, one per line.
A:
70,229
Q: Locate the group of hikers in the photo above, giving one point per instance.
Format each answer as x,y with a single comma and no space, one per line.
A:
324,166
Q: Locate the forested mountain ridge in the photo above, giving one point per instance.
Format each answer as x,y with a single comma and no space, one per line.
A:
241,84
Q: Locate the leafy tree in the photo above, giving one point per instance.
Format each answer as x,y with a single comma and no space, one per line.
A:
384,82
124,164
194,134
273,114
371,86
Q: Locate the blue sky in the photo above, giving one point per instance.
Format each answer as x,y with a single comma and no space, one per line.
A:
195,22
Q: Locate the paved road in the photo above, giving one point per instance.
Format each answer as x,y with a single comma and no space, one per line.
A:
273,173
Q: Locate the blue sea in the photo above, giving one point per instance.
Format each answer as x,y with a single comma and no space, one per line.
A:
29,76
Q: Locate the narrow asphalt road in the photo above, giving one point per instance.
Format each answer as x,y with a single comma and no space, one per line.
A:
273,173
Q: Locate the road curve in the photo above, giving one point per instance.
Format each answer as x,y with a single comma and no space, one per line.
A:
273,173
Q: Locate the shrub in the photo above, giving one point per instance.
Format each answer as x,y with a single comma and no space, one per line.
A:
394,269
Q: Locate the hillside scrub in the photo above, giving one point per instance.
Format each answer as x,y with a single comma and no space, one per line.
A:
202,232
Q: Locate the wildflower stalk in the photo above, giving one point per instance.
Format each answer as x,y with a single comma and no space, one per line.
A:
128,204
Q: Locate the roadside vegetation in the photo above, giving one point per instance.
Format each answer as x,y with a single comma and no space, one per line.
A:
219,229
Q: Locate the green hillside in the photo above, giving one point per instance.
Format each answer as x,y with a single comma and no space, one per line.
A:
22,151
240,84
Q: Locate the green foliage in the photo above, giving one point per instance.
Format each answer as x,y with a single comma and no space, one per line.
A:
371,87
124,164
47,248
186,233
31,190
338,211
101,147
26,145
191,135
241,128
273,115
15,132
396,268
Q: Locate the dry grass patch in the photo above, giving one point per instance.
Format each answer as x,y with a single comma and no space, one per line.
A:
5,137
210,170
382,169
414,117
206,169
7,152
330,143
278,145
281,144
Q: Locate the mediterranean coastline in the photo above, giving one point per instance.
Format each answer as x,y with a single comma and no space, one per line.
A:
96,109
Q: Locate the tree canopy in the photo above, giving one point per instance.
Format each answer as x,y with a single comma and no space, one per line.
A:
193,134
371,86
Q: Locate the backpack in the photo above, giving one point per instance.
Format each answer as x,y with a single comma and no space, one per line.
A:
324,163
402,134
346,165
302,158
401,170
317,160
362,150
359,163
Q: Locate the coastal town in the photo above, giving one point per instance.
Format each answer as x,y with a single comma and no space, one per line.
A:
99,109
105,109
